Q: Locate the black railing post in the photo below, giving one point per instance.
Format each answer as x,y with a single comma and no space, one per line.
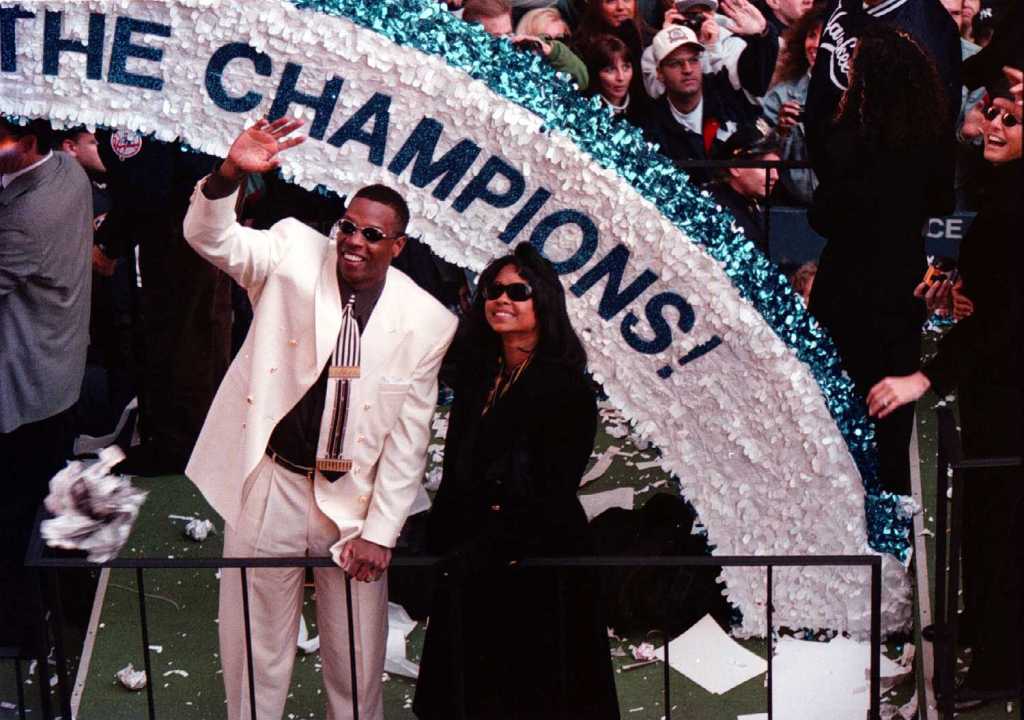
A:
247,620
457,659
141,588
874,708
57,619
563,656
948,702
21,690
667,678
770,634
351,647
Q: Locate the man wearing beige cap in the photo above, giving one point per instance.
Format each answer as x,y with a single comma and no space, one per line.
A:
700,110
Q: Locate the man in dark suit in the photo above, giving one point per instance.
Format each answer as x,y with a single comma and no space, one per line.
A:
45,284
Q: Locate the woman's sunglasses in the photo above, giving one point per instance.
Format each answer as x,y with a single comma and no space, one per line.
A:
373,235
993,111
517,291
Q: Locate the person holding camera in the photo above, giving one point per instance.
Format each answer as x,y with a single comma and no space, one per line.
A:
699,110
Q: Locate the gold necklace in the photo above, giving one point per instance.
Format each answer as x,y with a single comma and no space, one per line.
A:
504,381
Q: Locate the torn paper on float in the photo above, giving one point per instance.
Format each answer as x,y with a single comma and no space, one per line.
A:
399,627
93,510
812,680
712,659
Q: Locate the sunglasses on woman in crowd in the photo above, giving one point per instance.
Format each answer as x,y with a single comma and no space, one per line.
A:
517,291
993,111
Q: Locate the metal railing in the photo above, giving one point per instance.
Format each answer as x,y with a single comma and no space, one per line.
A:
51,566
950,469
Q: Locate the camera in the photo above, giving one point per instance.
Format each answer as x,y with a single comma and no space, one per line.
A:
694,21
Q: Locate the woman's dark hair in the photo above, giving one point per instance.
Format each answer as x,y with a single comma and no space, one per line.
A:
895,100
600,52
793,62
635,33
557,341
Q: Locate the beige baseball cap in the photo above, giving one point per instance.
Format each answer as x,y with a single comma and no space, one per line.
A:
671,38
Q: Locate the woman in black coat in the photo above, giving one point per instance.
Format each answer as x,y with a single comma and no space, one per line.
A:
886,165
981,358
501,639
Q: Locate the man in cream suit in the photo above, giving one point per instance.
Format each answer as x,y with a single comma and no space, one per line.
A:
307,451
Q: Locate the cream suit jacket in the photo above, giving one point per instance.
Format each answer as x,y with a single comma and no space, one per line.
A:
290,275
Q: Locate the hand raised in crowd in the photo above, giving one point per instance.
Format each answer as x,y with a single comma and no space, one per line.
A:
892,393
789,116
533,43
1015,106
257,148
747,19
672,17
364,560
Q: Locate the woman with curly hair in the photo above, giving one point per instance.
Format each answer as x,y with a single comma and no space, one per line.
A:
502,642
886,167
783,104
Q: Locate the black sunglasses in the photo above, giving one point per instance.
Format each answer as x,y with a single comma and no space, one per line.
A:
373,235
517,291
992,112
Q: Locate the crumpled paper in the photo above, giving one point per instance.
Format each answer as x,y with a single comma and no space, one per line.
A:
131,678
198,529
93,510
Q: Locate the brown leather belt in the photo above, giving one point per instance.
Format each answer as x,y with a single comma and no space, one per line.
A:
289,465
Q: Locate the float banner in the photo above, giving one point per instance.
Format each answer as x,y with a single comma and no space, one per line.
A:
694,335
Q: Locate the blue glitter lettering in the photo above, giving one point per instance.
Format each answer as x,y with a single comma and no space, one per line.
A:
378,109
588,244
525,215
656,319
54,45
323,104
215,76
9,17
450,167
124,48
613,301
701,350
479,186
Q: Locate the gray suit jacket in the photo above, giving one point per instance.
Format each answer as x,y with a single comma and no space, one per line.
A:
45,285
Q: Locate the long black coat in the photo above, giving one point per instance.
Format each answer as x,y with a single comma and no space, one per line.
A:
509,491
981,358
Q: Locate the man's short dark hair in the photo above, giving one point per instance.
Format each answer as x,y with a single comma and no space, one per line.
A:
72,134
476,10
386,196
38,128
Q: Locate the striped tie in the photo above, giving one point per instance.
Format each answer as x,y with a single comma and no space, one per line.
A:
344,367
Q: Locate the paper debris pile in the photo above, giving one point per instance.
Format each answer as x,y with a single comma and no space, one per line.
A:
94,510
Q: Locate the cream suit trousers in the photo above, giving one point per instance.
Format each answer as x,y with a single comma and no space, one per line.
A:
280,518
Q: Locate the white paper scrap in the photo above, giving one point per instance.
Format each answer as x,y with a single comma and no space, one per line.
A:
305,643
601,465
755,716
131,678
596,503
812,680
399,627
712,659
